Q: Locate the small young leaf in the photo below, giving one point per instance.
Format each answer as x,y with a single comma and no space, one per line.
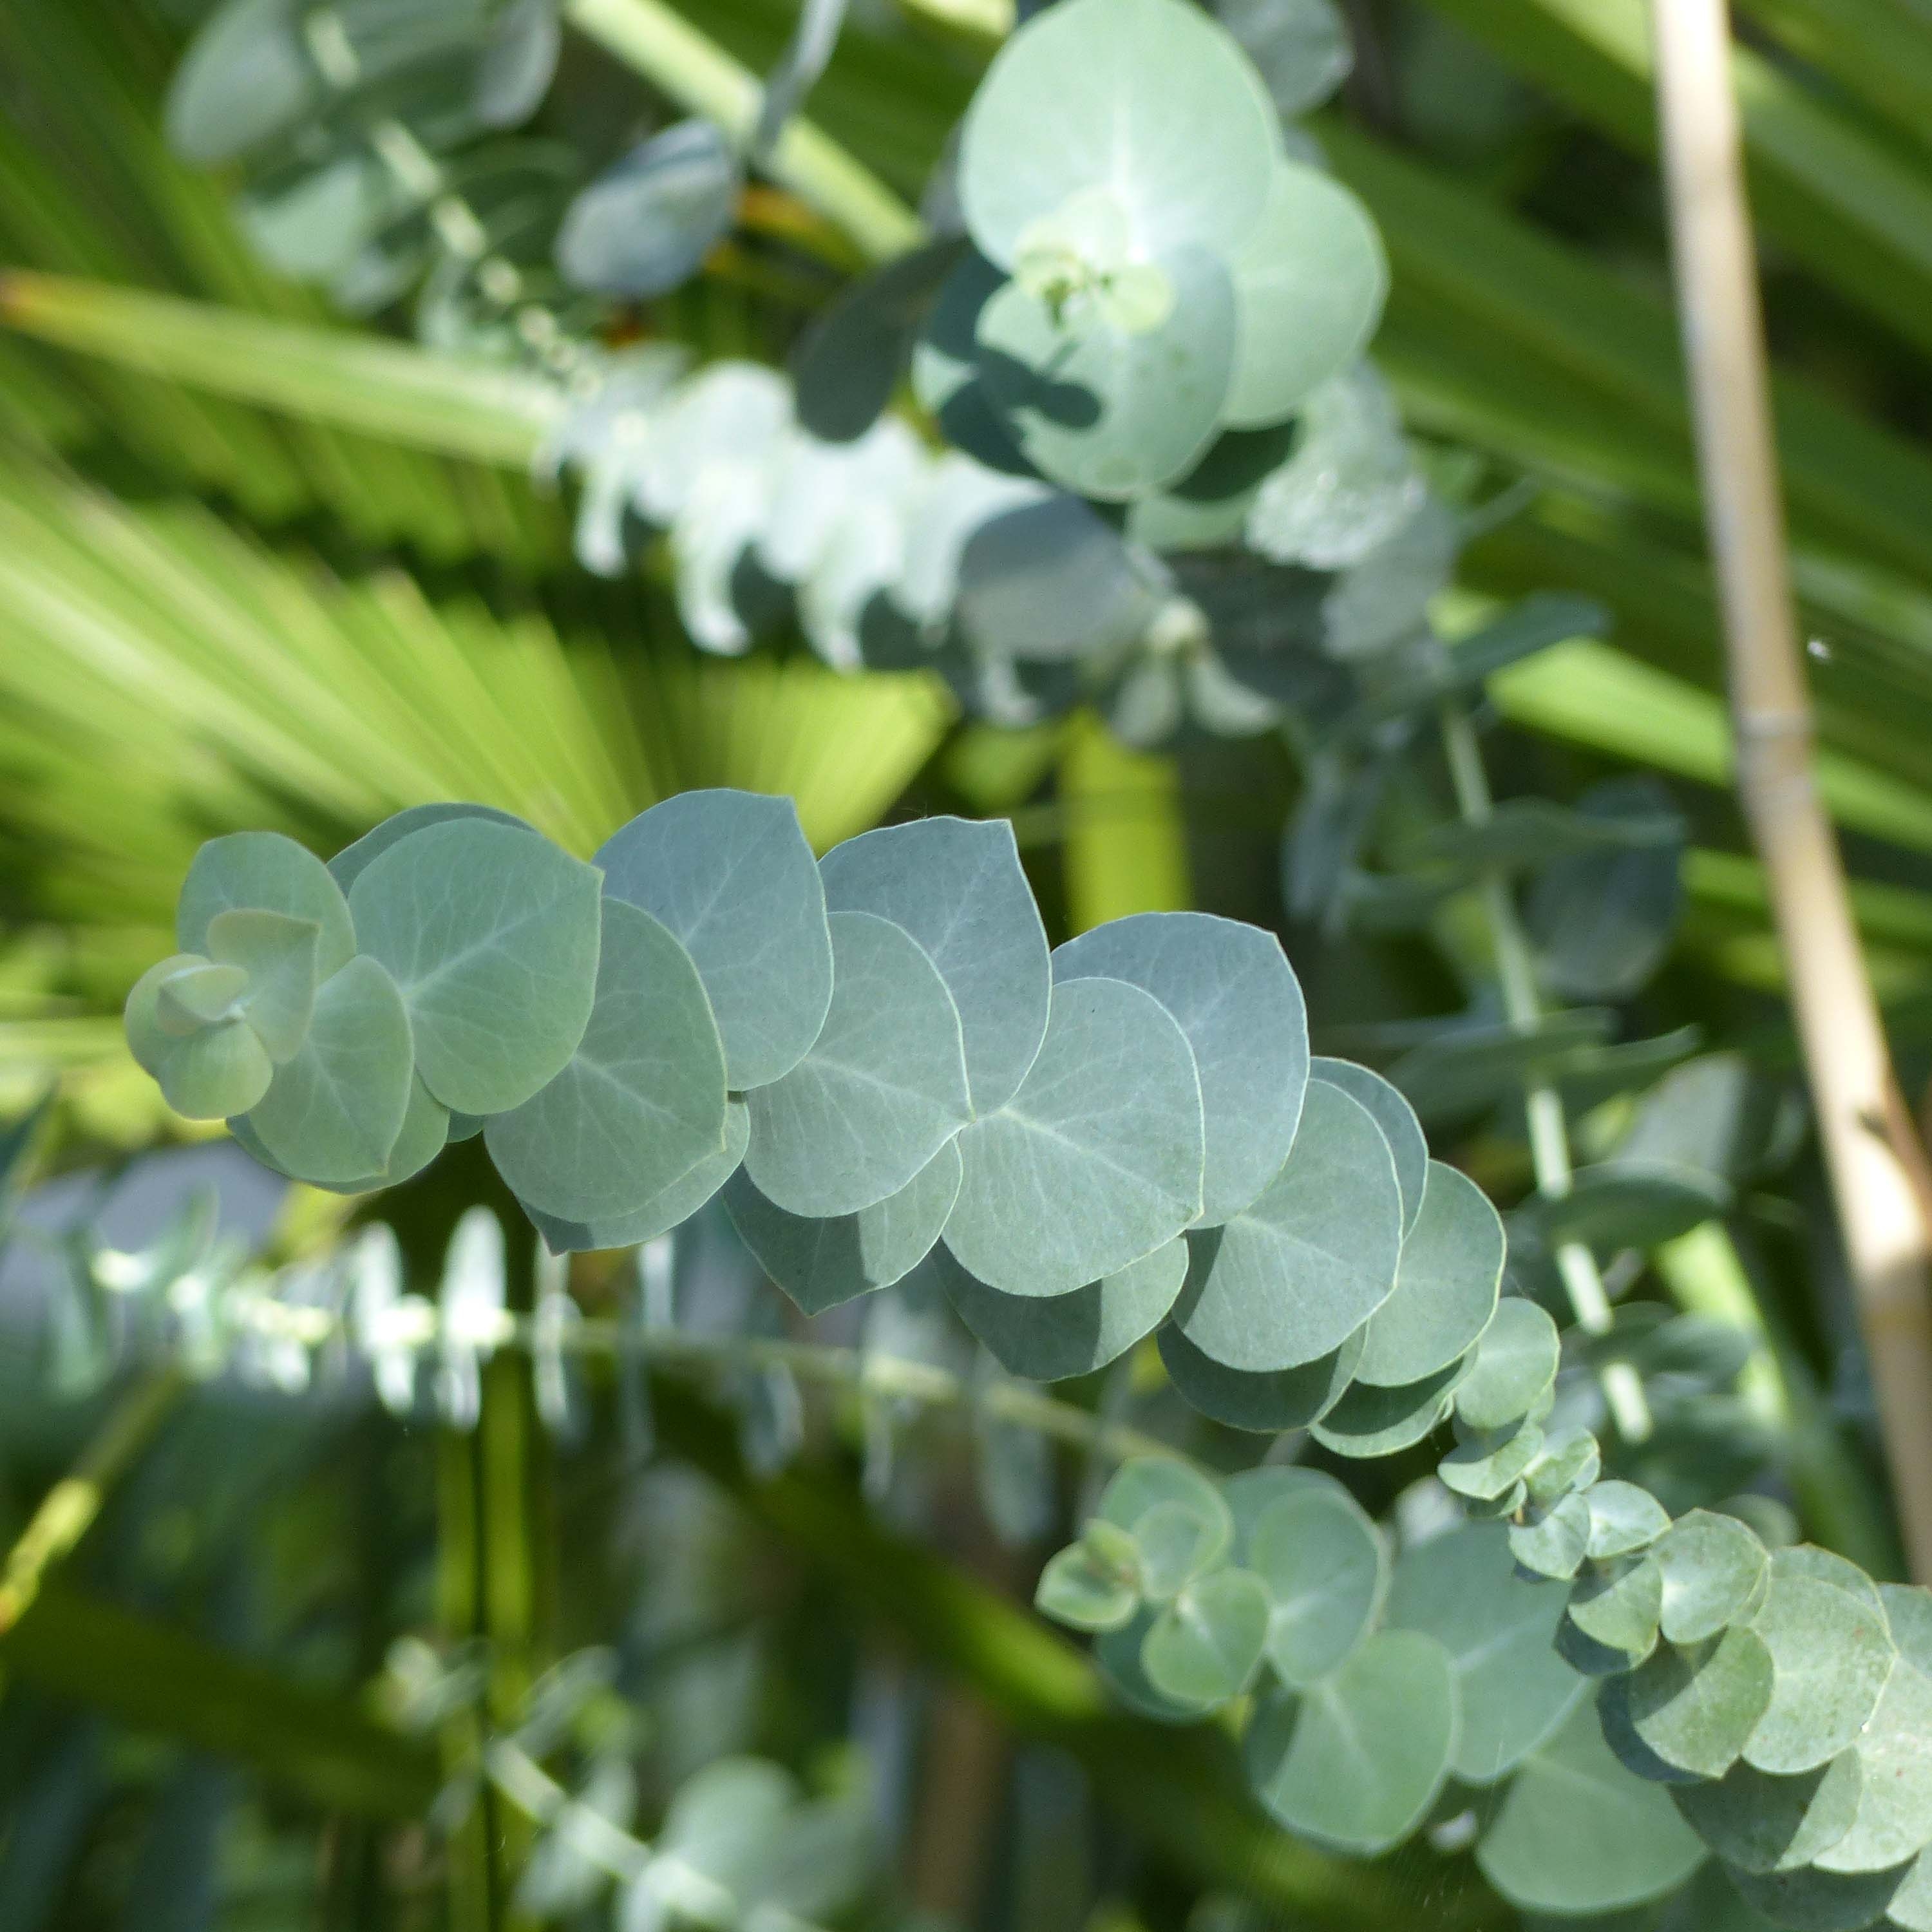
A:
1079,1589
263,872
1554,1541
1204,1647
1356,1761
882,1090
1568,1461
492,934
1617,1606
1516,1361
644,225
1117,1654
197,996
214,1071
1327,1568
278,954
1624,1519
1714,1571
1156,1482
1292,1277
1483,1468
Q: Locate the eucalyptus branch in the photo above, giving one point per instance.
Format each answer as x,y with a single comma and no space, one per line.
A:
1876,1167
1549,1134
699,75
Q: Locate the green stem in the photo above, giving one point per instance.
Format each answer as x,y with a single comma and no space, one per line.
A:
1549,1133
468,1852
699,75
67,1511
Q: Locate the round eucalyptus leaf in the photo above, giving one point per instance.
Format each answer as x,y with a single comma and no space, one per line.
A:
1149,1483
644,225
1553,1541
152,1027
1326,1569
1205,1646
1624,1519
277,955
353,861
1310,279
1714,1569
730,874
1513,1691
640,1103
423,1134
1832,1653
1446,1284
1077,1588
1827,1566
1148,100
882,1090
1368,1421
1695,1706
246,78
1894,1752
1095,1161
821,1262
1516,1360
1230,989
1811,1901
1300,48
263,872
1356,1761
1117,1653
673,1205
1618,1605
1172,1547
1576,1833
1293,1276
1052,580
1046,1338
1409,1147
1105,411
335,1112
1483,1467
198,995
492,935
1268,1404
214,1071
958,889
947,377
1756,1822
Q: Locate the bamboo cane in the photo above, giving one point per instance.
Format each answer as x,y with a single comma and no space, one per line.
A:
1874,1172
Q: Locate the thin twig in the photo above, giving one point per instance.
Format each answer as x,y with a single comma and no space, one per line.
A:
1549,1133
67,1511
1882,1213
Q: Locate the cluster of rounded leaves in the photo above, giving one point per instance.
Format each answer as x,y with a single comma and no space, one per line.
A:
1771,1706
876,1058
1144,350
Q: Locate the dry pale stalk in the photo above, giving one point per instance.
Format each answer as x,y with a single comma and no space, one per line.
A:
1875,1174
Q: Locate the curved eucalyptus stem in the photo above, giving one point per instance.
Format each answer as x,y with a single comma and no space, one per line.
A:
1549,1134
696,72
1876,1165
